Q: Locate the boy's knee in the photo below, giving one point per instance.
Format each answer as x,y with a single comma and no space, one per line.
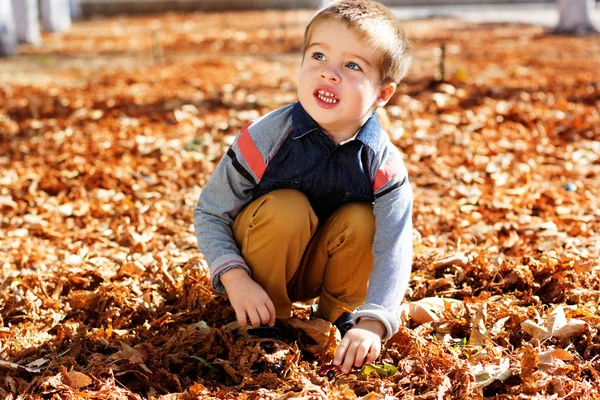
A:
358,219
287,210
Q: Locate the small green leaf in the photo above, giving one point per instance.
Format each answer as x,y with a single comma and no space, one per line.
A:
383,370
195,145
201,325
210,365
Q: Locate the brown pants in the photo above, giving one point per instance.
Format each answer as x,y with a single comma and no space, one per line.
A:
294,258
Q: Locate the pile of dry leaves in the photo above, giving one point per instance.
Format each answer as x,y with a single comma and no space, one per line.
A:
108,133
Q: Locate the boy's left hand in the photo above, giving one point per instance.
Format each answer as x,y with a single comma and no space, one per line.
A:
361,343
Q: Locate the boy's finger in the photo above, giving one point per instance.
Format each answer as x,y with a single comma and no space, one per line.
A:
341,352
373,353
254,318
241,317
272,312
263,313
361,353
350,357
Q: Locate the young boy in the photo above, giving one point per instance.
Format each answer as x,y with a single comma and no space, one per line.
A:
312,200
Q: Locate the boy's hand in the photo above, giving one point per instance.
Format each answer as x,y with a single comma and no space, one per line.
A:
248,298
361,343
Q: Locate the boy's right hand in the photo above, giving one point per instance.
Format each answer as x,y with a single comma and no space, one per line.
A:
248,298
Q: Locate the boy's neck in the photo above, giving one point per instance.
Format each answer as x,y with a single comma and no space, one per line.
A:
344,134
341,138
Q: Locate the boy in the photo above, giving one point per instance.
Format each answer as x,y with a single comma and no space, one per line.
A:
312,200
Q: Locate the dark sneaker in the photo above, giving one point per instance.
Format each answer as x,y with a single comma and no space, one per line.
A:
266,331
344,323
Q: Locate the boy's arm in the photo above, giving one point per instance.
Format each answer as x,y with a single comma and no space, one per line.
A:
230,188
392,247
226,192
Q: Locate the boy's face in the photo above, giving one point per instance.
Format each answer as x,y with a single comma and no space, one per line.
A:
339,83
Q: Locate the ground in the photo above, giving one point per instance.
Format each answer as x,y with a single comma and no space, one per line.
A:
109,132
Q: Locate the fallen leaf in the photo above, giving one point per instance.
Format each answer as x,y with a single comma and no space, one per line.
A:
323,334
37,363
460,259
130,354
498,326
382,370
529,361
79,380
13,366
550,358
556,326
205,363
485,375
232,372
478,330
427,309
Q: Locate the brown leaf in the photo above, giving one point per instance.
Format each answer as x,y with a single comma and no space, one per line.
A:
232,372
79,380
55,381
529,362
556,326
460,259
321,336
13,366
130,354
478,330
132,268
427,309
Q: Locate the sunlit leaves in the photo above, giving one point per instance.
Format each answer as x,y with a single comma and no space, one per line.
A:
103,155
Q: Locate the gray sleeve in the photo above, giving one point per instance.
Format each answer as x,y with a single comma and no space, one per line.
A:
230,188
392,247
226,192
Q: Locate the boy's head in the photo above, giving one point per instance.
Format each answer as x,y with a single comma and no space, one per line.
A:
353,55
376,26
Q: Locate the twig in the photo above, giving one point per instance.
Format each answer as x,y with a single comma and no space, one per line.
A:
442,62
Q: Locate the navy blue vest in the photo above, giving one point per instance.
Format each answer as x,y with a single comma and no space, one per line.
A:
329,175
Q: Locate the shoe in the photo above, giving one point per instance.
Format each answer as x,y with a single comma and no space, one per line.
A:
266,331
344,323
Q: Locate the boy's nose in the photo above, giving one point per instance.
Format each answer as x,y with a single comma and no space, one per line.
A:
330,74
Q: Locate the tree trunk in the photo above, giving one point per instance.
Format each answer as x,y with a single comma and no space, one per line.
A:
26,14
574,17
8,34
56,15
75,9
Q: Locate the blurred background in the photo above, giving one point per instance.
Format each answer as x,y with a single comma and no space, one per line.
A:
90,7
21,21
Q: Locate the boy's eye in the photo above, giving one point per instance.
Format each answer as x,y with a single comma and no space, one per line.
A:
354,66
319,56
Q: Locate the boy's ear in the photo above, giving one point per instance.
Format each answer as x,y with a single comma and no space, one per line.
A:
386,92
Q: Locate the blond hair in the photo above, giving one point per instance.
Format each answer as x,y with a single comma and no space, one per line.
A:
375,24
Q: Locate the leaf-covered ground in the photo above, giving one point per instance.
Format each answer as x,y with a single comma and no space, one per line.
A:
109,132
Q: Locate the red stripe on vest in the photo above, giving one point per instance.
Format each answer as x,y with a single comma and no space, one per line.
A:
385,174
250,153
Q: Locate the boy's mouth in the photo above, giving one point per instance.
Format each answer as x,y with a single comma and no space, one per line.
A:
325,98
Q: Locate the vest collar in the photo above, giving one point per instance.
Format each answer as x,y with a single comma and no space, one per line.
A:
370,133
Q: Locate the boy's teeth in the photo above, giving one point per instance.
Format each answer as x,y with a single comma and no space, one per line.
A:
324,93
326,96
